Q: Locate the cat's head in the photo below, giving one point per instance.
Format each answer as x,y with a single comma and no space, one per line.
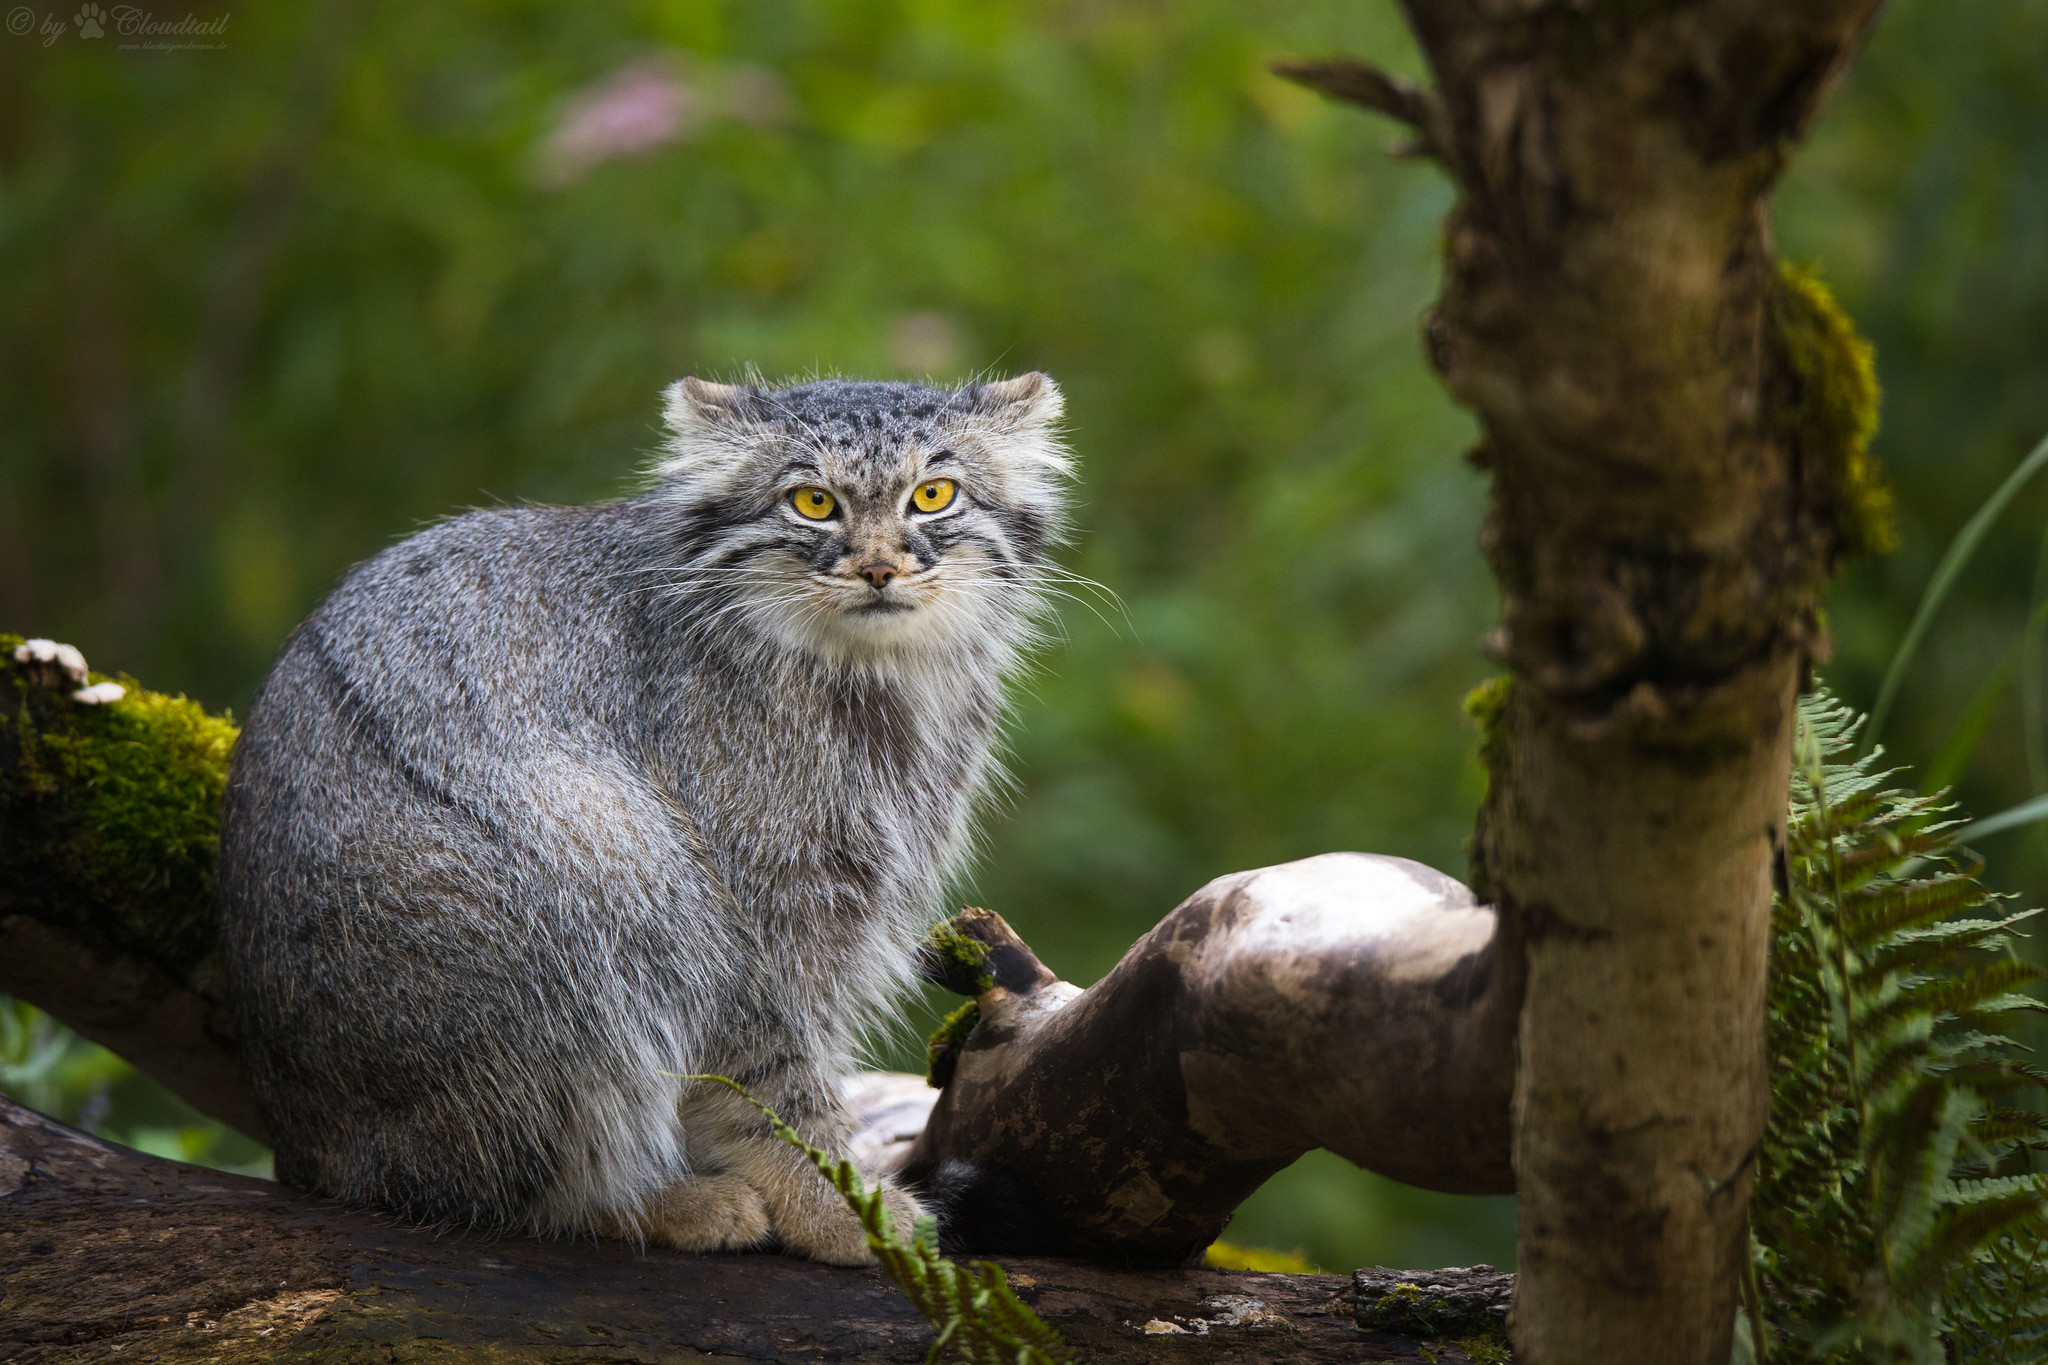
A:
865,522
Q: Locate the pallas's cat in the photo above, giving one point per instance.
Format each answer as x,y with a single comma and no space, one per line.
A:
546,808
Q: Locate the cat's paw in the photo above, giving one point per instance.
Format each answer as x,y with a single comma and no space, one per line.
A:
832,1233
904,1210
708,1213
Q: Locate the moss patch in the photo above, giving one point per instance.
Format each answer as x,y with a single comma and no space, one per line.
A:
1487,706
110,814
942,1049
1461,1308
957,960
1822,399
1488,1347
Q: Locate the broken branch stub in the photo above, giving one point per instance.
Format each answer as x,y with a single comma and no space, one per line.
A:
1357,83
1348,1001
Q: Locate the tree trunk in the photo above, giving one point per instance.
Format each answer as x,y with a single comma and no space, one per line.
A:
1676,430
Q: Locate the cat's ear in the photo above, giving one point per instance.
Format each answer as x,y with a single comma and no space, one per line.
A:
1029,400
710,433
1017,423
692,404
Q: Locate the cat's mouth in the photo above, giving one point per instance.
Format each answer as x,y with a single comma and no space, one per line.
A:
900,595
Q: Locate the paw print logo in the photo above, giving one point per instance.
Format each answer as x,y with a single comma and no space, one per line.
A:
88,20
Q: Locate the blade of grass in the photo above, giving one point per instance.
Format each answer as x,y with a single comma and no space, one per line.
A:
1968,731
2012,817
1945,574
2033,714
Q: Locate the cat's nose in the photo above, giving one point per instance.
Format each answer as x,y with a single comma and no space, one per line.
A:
879,572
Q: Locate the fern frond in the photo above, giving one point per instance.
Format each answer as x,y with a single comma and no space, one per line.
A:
1850,810
973,1310
1896,1215
1983,990
1883,907
1997,1187
2009,1125
1951,1247
2001,1315
1993,1075
1889,1061
1928,950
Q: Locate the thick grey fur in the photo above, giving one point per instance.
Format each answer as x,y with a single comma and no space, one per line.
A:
545,807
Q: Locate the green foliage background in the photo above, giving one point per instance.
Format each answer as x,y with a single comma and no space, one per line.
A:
265,308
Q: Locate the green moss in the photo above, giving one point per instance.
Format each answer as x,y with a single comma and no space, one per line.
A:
1488,1347
1411,1309
942,1050
110,814
1487,706
1822,398
960,960
1408,1298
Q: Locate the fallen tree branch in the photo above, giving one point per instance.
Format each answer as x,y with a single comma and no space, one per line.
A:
1348,1001
110,1254
1351,1002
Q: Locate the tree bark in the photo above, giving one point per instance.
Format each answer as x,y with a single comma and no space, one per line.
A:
106,1254
1676,428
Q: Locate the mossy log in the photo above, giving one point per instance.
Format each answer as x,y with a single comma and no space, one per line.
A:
1346,1001
109,818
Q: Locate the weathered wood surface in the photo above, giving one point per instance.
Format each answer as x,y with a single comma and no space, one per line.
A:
1349,1001
107,1254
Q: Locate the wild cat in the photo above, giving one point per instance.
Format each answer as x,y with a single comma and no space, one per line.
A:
546,807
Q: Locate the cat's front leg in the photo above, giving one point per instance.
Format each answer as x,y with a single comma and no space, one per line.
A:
721,1212
810,1218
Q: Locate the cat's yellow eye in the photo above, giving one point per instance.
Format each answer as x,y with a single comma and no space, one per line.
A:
933,495
814,503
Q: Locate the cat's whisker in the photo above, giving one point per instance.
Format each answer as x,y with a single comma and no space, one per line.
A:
1108,593
1054,591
